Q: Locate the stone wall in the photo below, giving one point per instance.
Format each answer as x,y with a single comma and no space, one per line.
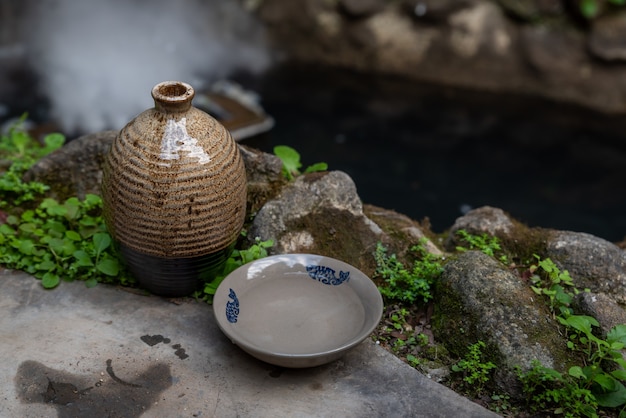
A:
530,47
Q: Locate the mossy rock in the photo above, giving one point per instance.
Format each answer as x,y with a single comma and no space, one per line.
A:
480,299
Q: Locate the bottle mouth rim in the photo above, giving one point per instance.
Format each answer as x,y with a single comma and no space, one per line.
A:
173,92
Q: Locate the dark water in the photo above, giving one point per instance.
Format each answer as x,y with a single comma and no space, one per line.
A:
434,152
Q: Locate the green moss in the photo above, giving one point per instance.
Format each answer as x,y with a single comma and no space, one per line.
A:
451,321
396,226
437,353
339,234
522,243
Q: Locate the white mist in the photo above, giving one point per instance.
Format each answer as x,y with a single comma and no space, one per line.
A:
98,60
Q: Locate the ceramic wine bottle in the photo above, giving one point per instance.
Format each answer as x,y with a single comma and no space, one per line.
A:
174,193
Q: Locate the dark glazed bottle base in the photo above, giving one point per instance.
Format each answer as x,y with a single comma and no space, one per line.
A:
174,277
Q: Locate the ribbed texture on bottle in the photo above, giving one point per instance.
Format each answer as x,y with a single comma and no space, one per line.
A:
173,199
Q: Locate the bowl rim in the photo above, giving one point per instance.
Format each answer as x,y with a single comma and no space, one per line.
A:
365,331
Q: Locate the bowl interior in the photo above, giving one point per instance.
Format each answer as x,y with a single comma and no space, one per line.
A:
297,305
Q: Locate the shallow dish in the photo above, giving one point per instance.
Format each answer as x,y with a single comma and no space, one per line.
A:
297,310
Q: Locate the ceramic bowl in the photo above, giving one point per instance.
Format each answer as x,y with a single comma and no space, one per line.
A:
297,310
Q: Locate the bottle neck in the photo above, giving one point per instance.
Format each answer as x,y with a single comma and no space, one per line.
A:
172,96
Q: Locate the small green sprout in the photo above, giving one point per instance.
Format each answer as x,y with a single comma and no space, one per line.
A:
291,162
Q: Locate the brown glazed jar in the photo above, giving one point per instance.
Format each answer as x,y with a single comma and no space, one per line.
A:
174,193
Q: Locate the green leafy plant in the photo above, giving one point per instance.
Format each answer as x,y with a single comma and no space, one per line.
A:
407,285
14,191
557,285
548,390
398,319
475,371
54,241
413,360
237,259
603,372
18,145
500,403
291,162
486,244
599,380
62,241
591,8
399,334
405,338
20,151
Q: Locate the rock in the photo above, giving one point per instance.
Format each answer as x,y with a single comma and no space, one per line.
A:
405,230
397,42
531,10
567,71
607,39
480,27
436,373
555,53
484,220
319,213
480,300
434,10
602,307
76,168
593,262
262,167
361,8
264,175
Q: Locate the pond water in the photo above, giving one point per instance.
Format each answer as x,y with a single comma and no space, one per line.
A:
436,152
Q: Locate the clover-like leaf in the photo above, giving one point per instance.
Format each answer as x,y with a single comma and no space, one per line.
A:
101,242
576,371
290,158
53,142
82,259
50,280
73,235
108,266
617,334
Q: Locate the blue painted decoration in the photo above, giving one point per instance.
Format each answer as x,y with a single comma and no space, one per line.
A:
326,275
232,307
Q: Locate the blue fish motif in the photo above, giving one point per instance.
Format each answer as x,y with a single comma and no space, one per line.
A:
232,307
326,275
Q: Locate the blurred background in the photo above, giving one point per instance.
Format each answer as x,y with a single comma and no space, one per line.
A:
432,107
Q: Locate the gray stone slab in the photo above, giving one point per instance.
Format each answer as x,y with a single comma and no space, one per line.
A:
78,352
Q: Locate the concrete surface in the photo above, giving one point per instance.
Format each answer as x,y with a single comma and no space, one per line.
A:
106,352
